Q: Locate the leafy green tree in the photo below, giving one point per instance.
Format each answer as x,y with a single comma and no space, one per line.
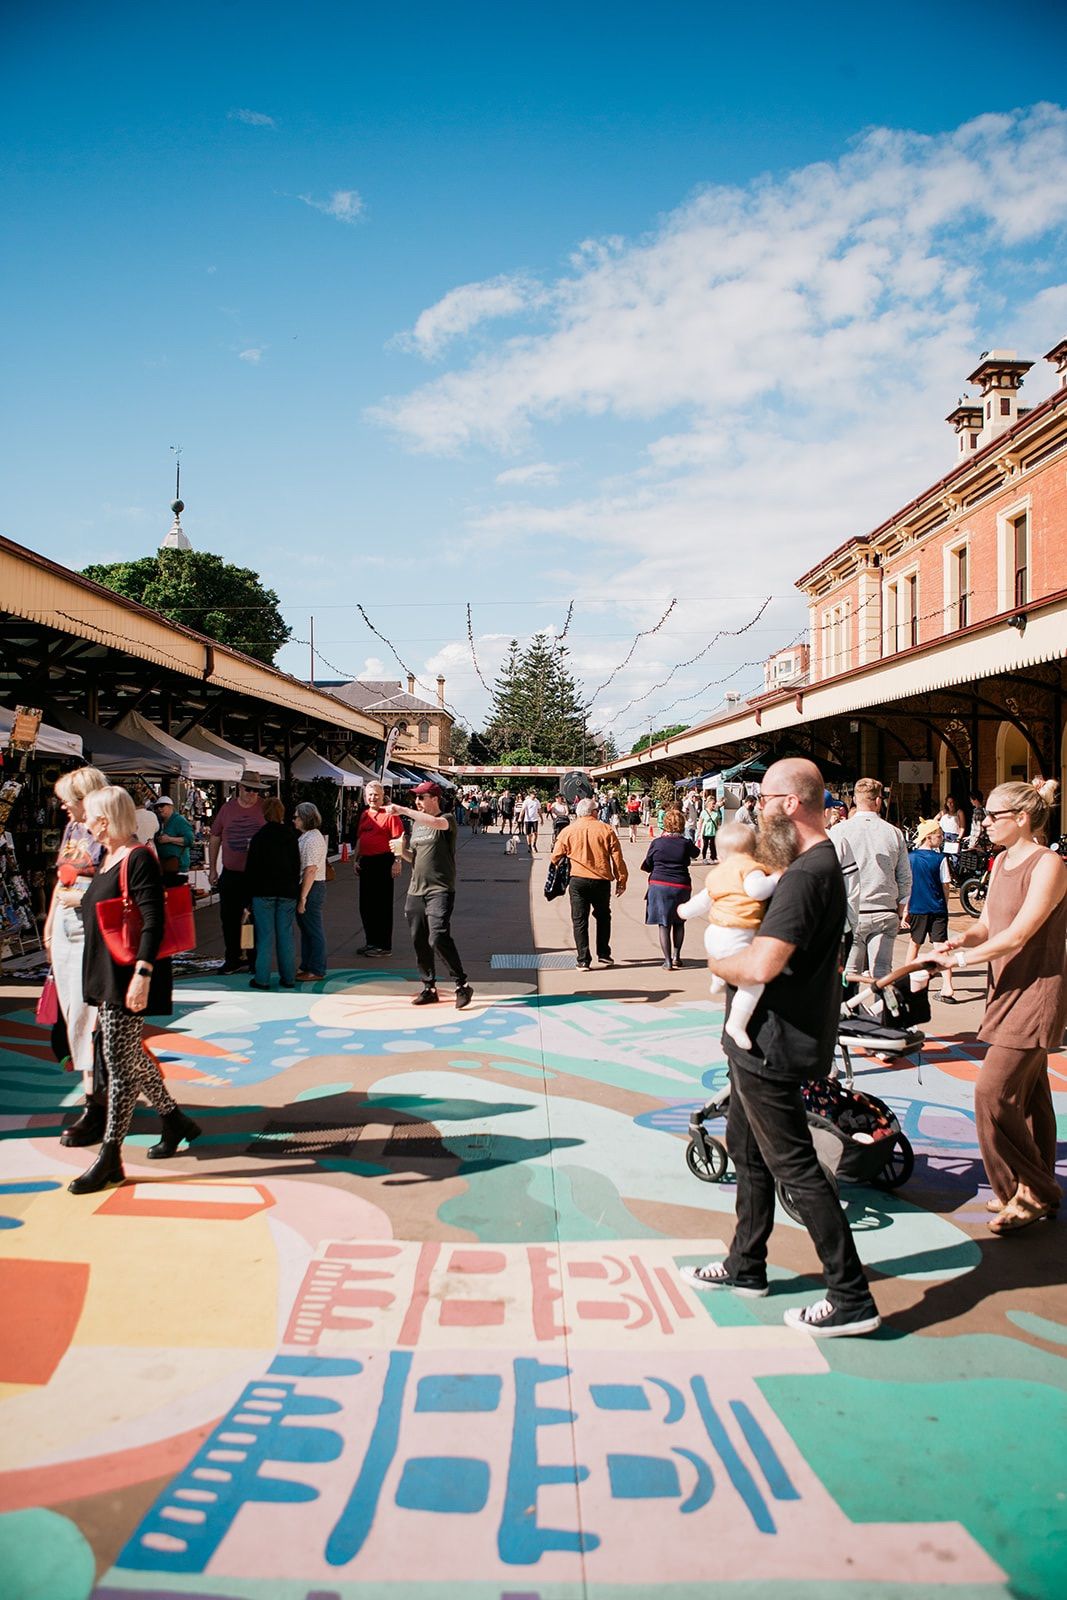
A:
538,716
204,592
654,738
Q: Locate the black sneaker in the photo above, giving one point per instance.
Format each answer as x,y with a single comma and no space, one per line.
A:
464,996
583,966
824,1321
715,1276
425,997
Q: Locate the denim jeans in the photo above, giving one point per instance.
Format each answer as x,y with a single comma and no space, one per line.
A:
768,1138
273,918
312,933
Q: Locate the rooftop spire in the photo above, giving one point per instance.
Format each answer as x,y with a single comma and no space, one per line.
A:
176,538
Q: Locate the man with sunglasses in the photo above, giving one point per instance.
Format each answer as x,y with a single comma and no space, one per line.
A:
232,829
793,1033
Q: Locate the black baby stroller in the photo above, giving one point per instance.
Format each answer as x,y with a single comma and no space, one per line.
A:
857,1138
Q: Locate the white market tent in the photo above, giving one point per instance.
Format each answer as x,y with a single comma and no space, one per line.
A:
50,741
195,765
364,773
309,766
265,768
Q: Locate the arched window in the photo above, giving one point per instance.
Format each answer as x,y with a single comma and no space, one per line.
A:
424,732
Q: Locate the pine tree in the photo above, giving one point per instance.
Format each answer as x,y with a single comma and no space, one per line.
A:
538,716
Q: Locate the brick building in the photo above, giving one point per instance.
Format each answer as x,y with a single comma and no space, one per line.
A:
425,727
939,637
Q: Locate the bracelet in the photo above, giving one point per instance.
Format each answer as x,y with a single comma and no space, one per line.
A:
142,970
961,959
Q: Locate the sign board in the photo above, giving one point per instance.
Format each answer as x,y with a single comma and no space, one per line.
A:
918,772
24,729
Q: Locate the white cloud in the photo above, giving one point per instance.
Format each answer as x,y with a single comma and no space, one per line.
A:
344,205
253,119
253,355
465,307
804,288
538,475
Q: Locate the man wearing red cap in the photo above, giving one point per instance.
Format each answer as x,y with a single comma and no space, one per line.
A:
432,894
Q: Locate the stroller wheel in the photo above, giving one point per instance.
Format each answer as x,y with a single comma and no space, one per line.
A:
710,1167
899,1166
785,1194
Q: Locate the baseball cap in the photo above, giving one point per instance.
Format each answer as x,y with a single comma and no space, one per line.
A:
428,788
162,800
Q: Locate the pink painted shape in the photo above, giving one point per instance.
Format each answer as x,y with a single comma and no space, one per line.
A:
603,1310
472,1313
477,1261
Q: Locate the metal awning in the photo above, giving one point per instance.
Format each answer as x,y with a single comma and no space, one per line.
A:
50,741
193,764
309,766
119,757
258,766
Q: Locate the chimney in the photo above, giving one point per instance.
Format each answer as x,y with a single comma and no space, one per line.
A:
411,683
441,690
998,378
1058,356
967,421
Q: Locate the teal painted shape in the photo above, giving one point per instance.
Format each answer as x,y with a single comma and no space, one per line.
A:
1040,1327
726,1310
322,1091
44,1556
505,1205
988,1454
596,1209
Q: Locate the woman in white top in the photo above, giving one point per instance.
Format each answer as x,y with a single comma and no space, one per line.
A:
312,893
953,826
531,818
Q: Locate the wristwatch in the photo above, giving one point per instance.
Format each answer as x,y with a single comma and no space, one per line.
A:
142,971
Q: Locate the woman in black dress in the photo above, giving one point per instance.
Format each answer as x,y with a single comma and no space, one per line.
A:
669,885
124,993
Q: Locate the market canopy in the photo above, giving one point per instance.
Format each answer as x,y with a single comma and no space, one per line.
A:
50,741
310,766
193,764
265,768
114,754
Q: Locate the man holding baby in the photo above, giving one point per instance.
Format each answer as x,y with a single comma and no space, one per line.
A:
792,1033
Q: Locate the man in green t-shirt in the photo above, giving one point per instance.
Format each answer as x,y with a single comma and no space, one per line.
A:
432,893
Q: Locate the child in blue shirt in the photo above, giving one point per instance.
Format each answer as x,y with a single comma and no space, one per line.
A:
928,906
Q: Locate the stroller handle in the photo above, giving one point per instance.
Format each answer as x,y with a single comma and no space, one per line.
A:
923,965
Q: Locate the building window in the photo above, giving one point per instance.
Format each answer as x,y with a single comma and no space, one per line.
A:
1005,408
424,732
901,613
1020,530
891,608
962,587
910,597
974,441
835,640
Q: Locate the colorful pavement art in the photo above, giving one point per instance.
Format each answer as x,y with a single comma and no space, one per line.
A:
407,1320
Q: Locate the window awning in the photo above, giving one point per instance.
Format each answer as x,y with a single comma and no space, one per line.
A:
114,754
309,766
193,764
50,741
255,766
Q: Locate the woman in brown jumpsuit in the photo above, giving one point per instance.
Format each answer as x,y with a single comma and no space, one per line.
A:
1022,933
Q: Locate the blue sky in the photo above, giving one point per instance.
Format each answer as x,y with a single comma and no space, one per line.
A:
514,305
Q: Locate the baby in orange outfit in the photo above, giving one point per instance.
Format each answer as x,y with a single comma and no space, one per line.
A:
733,899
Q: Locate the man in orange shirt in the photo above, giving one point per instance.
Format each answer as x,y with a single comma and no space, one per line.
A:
596,860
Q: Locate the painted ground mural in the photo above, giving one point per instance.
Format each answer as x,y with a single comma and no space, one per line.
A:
408,1320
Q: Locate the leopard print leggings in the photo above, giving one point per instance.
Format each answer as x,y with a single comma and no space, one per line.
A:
131,1072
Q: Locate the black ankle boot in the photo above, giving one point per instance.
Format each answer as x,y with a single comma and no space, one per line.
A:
89,1127
105,1170
176,1127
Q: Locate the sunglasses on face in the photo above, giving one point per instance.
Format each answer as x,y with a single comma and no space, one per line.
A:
995,816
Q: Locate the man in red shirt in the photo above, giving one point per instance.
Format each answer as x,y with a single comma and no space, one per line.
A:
232,829
376,866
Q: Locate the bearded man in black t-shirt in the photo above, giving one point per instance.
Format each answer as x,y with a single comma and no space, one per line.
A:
793,1032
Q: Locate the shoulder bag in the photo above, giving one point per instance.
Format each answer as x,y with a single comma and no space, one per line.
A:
559,876
121,924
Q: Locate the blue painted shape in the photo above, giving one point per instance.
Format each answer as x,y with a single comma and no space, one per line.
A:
354,1524
314,1367
520,1540
739,1474
1040,1327
10,1222
704,1487
459,1391
767,1458
456,1484
233,1476
675,1399
643,1478
36,1186
619,1397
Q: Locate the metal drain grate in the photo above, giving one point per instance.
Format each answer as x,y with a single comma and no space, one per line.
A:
309,1139
549,961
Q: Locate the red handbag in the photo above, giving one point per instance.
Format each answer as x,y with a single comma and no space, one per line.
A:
48,1004
121,923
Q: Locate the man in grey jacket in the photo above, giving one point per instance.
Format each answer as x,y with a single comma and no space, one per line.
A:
881,855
